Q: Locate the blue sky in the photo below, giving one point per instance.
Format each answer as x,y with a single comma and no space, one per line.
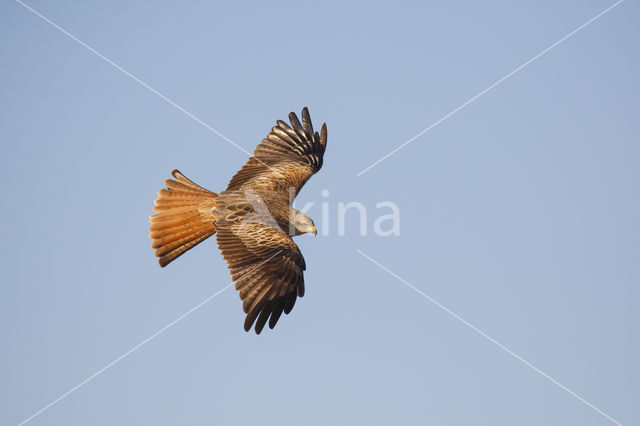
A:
519,213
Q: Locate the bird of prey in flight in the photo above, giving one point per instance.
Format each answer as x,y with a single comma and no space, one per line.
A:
253,219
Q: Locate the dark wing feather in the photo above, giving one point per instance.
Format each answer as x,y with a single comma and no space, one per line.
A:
286,158
266,266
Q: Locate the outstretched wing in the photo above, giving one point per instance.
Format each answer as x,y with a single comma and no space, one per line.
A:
266,266
285,159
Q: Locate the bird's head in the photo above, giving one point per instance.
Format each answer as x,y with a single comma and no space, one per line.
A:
302,223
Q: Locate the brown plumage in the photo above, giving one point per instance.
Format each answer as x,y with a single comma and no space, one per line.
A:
253,219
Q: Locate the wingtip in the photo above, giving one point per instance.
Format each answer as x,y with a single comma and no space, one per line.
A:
293,117
306,123
323,135
247,328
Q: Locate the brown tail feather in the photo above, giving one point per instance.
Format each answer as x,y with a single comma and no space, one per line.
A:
183,218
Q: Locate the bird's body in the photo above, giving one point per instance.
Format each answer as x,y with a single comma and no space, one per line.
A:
253,219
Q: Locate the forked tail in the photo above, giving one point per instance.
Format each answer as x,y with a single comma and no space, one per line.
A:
183,218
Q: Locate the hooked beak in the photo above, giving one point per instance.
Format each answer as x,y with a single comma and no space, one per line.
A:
314,231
